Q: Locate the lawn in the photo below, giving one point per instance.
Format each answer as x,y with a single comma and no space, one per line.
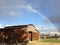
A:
46,42
51,40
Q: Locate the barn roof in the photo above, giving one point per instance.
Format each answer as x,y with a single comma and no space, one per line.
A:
18,26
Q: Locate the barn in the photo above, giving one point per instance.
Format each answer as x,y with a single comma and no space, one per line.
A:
19,33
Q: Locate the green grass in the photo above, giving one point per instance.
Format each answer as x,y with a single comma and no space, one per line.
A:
51,40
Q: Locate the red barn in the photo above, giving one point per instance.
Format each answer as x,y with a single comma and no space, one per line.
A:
19,33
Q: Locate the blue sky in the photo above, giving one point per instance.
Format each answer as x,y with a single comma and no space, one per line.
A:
41,13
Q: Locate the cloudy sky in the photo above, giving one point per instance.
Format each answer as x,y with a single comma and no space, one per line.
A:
41,13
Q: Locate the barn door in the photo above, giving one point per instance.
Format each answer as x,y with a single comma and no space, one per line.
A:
30,35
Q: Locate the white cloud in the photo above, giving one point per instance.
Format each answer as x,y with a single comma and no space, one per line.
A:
53,32
7,25
45,27
29,7
12,13
15,4
1,26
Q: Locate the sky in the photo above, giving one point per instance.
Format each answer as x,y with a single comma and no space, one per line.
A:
41,13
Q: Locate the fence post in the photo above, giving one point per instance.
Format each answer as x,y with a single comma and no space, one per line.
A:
3,40
16,42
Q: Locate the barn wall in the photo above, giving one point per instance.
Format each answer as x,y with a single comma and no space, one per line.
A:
21,34
31,28
35,36
35,33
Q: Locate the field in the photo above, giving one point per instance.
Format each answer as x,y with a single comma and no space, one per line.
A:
50,40
41,42
46,42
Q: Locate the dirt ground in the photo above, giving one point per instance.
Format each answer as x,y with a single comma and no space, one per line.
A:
35,43
42,43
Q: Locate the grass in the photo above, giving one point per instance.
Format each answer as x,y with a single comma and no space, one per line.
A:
46,42
51,40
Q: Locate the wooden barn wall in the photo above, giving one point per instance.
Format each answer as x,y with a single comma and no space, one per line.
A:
19,34
35,36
